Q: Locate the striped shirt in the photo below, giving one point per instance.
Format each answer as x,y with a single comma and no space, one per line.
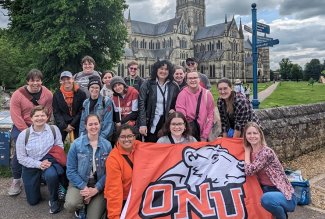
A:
38,145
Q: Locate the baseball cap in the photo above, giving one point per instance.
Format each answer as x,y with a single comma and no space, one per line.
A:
191,60
66,74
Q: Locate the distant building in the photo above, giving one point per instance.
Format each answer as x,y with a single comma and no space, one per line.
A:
220,49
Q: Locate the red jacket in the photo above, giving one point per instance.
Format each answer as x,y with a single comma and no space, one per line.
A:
126,107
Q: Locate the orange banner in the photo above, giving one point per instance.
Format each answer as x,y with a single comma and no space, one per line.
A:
197,180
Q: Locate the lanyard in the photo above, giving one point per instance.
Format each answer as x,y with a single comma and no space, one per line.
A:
163,94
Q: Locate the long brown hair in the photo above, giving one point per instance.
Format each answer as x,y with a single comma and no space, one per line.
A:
230,101
166,128
258,128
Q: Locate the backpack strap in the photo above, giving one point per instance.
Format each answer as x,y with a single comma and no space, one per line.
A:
28,133
128,160
198,106
171,139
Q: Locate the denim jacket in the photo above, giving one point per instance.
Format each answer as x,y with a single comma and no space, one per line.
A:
80,161
104,110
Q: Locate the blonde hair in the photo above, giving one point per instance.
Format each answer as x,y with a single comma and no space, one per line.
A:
258,128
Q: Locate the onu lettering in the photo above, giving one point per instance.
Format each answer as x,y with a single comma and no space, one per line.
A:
161,199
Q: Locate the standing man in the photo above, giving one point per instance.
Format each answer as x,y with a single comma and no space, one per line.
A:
191,65
23,100
197,104
133,79
88,70
67,106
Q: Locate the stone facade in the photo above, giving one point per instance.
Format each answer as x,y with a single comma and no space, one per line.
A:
295,130
220,49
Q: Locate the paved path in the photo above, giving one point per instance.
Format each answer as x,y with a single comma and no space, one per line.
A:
267,92
17,207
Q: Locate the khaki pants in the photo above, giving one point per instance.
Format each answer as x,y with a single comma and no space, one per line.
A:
74,201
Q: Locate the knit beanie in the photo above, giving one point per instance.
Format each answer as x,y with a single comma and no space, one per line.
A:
117,79
94,80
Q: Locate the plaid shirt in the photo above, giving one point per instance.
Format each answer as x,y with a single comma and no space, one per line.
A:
243,113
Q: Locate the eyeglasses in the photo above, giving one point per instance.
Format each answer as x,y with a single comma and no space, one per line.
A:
128,137
133,69
192,78
177,124
190,63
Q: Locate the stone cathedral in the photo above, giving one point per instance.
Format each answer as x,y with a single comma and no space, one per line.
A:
221,49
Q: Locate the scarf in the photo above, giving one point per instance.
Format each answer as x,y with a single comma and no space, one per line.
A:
68,96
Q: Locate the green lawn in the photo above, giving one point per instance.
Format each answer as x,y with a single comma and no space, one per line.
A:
295,93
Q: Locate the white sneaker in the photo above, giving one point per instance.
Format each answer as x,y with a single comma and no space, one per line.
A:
15,188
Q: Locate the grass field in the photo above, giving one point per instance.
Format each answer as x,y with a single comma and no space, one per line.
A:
295,93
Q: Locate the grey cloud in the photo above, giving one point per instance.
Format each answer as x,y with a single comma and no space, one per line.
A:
302,9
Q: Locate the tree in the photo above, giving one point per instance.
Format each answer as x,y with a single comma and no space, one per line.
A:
313,69
296,72
61,32
14,64
285,68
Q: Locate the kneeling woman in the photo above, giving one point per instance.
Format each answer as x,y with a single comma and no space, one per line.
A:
119,167
33,147
176,130
278,197
86,171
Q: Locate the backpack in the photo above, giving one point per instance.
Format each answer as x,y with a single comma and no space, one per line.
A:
28,133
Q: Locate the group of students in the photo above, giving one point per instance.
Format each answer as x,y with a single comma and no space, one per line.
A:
99,110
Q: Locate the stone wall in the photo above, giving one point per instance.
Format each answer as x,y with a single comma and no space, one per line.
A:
295,130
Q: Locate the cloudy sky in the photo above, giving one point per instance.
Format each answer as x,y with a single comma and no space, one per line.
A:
298,24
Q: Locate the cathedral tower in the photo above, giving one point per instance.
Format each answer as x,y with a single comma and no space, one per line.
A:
193,11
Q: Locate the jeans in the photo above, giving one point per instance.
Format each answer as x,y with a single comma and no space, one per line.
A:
275,202
32,183
15,165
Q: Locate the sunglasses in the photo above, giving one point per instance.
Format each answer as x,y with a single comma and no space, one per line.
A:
133,69
190,63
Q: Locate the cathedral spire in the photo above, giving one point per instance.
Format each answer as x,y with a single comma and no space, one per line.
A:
129,16
225,18
241,34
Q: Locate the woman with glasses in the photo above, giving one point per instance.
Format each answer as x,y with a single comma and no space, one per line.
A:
176,130
86,171
157,98
197,104
119,167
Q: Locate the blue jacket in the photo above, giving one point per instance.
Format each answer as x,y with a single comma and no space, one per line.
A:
80,161
104,109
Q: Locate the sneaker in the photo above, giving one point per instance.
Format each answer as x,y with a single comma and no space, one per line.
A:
55,207
15,188
80,214
61,193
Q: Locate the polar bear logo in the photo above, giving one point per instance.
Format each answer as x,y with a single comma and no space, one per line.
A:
211,164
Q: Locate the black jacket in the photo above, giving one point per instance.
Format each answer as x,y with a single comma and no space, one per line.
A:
138,81
148,100
61,111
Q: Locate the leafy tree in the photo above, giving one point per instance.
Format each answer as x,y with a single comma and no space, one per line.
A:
313,69
61,32
285,68
296,72
14,63
323,73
